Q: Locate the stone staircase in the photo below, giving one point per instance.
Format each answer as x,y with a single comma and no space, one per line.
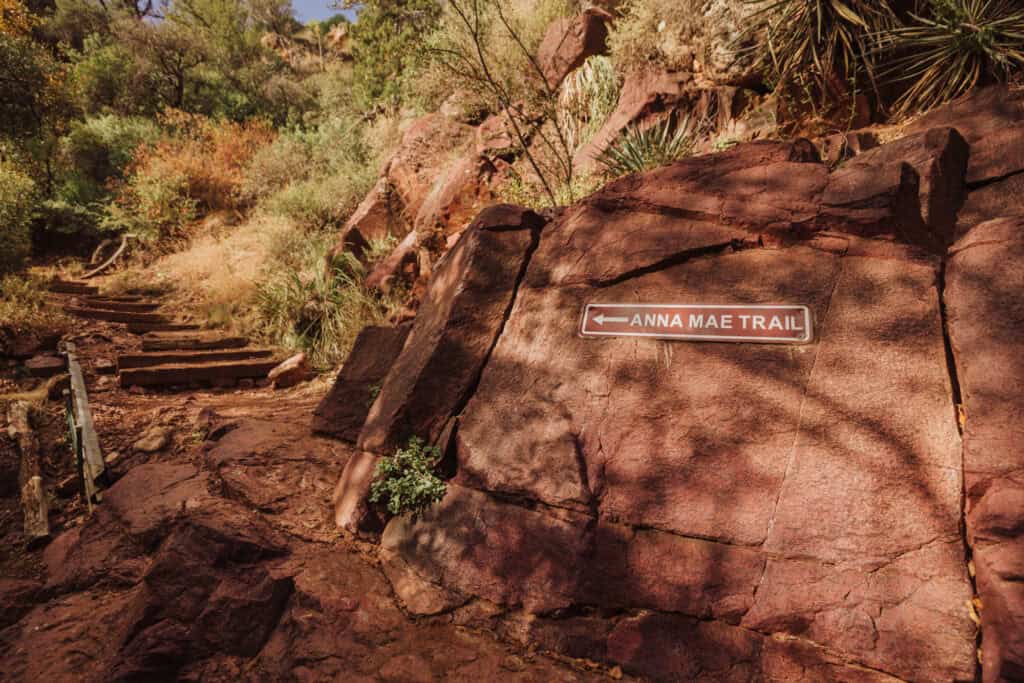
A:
174,354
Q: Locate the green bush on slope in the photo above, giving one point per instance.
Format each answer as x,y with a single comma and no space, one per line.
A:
17,204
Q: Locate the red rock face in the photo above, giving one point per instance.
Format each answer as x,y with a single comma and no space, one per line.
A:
984,288
741,511
429,144
457,195
458,321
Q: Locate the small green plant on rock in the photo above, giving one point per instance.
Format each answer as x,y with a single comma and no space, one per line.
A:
406,481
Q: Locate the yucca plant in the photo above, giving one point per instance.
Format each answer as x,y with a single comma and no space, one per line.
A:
586,98
952,46
640,149
820,45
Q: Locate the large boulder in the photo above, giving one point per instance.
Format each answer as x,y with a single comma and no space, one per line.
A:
455,330
568,42
668,484
984,289
377,217
343,410
397,267
428,148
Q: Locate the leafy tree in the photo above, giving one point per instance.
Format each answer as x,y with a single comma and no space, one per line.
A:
387,46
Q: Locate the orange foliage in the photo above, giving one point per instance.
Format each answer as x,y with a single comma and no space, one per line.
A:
15,18
197,167
209,155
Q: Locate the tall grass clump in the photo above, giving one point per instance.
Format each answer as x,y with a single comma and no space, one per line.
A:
17,203
641,149
304,306
952,46
316,176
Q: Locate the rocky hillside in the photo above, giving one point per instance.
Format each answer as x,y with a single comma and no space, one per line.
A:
840,510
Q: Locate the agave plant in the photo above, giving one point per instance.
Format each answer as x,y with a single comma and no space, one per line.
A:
821,43
640,149
953,46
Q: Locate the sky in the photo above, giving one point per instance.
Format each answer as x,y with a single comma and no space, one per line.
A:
307,10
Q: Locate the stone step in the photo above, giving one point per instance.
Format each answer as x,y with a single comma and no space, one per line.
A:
179,374
128,361
117,305
146,328
115,316
191,341
72,287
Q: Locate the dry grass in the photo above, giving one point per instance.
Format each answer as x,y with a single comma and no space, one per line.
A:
214,275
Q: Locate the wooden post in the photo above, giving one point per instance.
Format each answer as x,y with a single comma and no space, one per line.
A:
33,498
94,465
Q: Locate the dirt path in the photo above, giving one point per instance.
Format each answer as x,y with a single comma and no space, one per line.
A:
214,556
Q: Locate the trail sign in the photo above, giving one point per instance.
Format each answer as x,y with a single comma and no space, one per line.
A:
770,324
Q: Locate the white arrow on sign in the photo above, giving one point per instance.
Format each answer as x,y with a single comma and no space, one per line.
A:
600,318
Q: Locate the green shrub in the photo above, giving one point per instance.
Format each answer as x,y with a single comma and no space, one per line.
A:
274,167
331,167
17,204
406,481
107,77
954,46
98,149
321,202
641,149
387,47
154,204
58,218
